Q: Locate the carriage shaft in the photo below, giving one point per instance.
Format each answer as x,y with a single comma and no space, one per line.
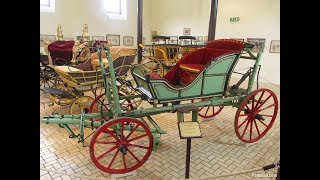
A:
87,123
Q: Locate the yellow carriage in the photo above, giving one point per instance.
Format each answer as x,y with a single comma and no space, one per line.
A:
160,57
79,80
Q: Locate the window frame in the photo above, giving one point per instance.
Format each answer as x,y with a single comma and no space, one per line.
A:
122,15
48,8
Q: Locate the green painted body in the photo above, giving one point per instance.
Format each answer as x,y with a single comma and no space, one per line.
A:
213,82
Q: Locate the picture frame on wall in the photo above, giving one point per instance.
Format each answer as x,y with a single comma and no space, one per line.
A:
238,39
78,37
46,37
258,43
153,33
128,40
275,46
173,40
186,31
205,39
199,39
114,39
97,38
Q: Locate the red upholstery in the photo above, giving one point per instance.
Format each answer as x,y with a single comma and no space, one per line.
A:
61,49
200,58
154,75
187,77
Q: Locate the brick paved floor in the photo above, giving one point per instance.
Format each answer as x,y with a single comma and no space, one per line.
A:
219,152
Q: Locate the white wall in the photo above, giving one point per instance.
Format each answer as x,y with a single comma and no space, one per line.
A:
258,19
72,14
169,17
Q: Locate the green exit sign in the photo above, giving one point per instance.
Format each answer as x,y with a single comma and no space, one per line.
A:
234,19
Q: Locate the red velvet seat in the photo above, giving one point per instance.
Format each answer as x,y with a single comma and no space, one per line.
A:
61,50
188,67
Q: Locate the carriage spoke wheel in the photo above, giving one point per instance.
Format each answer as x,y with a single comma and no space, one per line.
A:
98,104
153,65
80,103
209,111
256,115
115,150
48,79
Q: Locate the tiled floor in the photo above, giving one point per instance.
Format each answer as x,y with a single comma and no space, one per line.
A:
219,152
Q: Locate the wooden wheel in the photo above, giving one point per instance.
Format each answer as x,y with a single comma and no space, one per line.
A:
82,102
48,79
97,105
209,111
256,115
153,65
121,151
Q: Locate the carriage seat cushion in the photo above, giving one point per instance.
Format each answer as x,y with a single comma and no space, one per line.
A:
65,46
195,68
96,63
66,69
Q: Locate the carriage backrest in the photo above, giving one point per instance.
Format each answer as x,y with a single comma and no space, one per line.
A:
83,74
61,50
171,51
122,64
86,66
203,56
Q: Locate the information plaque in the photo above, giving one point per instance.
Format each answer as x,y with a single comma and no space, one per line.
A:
189,129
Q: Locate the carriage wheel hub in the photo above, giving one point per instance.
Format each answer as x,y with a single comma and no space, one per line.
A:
259,117
123,149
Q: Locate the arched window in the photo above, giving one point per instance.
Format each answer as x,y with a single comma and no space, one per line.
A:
47,6
116,9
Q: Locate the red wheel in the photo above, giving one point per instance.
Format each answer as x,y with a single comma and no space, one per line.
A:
97,104
121,151
256,115
209,111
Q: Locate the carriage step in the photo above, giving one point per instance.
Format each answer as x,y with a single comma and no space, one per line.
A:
58,92
186,109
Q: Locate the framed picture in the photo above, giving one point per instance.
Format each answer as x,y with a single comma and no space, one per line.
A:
113,39
238,39
97,38
185,42
275,46
44,37
205,39
173,40
78,37
186,31
153,33
199,39
127,40
258,43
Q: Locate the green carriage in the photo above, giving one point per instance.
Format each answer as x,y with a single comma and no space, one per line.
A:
123,140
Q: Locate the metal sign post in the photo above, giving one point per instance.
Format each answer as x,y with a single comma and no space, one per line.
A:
189,130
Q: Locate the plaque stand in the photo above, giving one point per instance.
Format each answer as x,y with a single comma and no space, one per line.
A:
188,130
